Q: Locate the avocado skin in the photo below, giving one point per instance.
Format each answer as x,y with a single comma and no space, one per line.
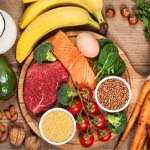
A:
8,80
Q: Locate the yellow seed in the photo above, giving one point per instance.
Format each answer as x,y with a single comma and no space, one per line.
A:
57,126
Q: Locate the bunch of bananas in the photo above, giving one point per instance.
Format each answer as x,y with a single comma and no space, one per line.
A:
44,16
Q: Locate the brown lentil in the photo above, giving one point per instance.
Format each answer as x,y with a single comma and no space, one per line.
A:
113,94
57,126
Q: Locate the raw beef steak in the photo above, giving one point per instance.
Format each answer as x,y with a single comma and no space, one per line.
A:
41,85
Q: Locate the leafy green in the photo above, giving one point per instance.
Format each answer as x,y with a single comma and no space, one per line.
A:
143,12
108,62
116,122
43,53
103,42
65,95
121,67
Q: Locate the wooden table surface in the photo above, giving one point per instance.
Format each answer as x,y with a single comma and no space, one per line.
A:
130,38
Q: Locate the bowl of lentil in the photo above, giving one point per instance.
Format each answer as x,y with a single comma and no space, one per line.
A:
57,126
113,94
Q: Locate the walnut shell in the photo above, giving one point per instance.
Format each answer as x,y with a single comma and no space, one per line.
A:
16,136
32,143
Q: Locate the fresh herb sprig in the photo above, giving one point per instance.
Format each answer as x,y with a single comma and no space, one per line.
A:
143,13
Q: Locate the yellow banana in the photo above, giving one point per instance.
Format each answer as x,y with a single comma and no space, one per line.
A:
96,6
28,1
40,6
48,21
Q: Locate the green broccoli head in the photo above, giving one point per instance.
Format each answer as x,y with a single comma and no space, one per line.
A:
65,95
43,53
117,122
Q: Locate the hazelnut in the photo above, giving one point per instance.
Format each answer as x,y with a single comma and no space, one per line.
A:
125,12
110,12
32,143
132,19
16,136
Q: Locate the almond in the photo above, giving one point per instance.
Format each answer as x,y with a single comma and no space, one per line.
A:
1,115
14,117
3,137
12,110
2,127
7,114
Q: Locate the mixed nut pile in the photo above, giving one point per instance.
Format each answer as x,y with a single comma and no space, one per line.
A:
15,131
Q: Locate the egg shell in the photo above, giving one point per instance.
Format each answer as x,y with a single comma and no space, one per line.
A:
87,44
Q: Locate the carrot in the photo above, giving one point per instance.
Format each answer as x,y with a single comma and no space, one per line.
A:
141,144
144,116
135,113
142,141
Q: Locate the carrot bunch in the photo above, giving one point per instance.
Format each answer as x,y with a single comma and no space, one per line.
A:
141,110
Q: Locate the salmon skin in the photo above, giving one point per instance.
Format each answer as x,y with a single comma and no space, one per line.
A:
72,59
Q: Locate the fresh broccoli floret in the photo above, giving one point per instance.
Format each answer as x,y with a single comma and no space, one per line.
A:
43,53
65,94
116,122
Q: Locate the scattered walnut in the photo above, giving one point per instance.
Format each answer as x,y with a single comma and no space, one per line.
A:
16,136
32,143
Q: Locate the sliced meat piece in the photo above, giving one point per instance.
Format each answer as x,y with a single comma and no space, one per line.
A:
41,85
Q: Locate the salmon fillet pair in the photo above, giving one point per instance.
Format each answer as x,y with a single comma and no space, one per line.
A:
72,59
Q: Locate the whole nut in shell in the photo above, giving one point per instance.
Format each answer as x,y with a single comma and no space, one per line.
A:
32,143
16,136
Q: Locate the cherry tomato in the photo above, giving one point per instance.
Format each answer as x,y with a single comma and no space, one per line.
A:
99,121
104,134
92,108
82,123
86,93
75,107
87,140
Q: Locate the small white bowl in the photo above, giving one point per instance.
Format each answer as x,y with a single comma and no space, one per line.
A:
106,109
69,138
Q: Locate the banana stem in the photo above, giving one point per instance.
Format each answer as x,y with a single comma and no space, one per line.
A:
98,14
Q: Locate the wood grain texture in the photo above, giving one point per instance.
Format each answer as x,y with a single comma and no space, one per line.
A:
129,38
130,75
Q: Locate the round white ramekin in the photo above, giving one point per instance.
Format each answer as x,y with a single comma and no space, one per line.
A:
96,94
69,138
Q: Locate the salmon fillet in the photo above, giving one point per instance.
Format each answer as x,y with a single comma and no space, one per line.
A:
72,59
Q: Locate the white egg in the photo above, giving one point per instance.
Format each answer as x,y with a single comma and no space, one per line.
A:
8,31
87,44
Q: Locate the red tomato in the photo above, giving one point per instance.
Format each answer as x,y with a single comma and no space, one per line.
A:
104,134
82,123
92,108
99,121
87,140
75,107
86,93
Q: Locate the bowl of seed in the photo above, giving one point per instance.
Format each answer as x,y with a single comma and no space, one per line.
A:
113,94
57,126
